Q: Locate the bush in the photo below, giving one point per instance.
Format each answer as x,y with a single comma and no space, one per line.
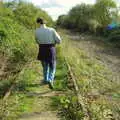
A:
92,18
114,35
72,110
27,13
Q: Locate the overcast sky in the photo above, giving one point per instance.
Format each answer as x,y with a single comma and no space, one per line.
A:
58,7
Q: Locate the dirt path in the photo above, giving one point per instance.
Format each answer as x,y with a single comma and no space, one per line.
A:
43,98
41,116
42,108
99,50
31,99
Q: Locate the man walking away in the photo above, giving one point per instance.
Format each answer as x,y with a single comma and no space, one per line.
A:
47,38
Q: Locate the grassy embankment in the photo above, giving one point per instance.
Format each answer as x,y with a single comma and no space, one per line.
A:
95,82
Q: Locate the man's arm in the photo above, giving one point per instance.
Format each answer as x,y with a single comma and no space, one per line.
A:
36,38
57,37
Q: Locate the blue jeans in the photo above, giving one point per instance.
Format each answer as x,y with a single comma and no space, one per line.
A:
49,70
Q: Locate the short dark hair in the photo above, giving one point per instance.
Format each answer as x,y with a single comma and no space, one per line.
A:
40,20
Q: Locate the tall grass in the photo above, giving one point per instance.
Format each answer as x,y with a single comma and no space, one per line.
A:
95,82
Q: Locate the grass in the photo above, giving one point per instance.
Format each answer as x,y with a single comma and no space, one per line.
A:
61,75
19,102
95,82
26,95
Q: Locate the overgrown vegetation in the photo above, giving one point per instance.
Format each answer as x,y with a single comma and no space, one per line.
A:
114,37
27,90
69,107
93,18
95,83
17,43
17,50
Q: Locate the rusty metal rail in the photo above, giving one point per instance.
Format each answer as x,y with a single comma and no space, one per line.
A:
81,99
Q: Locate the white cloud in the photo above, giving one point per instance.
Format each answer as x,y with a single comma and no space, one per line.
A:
58,7
56,11
73,2
61,2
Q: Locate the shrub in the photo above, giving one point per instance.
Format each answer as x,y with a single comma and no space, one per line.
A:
114,36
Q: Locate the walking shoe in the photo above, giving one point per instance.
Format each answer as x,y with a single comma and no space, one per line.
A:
51,86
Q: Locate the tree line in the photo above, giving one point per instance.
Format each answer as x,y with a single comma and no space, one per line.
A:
93,18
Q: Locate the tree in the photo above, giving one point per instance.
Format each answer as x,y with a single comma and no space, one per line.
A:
64,21
104,11
80,15
26,13
94,18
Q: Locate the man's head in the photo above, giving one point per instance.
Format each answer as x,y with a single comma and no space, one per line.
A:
40,21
